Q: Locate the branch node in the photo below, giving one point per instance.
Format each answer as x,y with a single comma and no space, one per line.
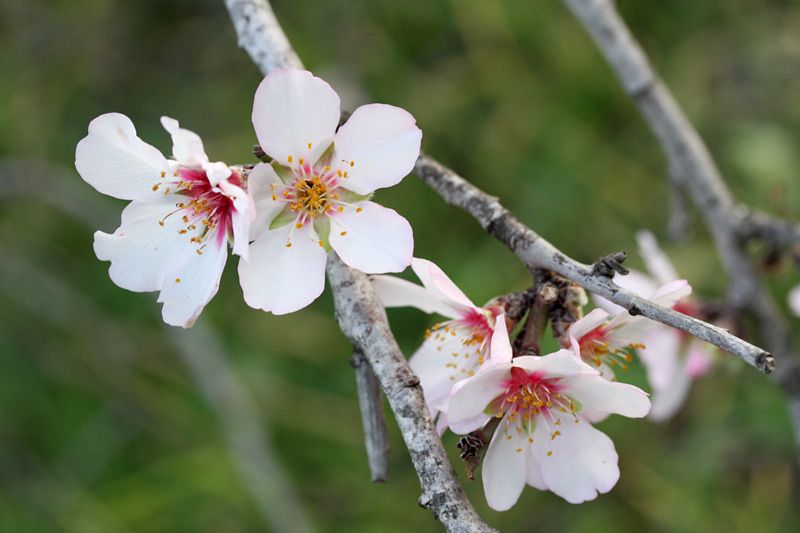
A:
609,264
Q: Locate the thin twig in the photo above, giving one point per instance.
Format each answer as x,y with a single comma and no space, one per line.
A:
693,168
370,401
363,320
535,252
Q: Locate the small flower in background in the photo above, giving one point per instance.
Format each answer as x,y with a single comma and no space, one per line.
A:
453,350
315,194
543,439
174,234
672,358
607,340
794,300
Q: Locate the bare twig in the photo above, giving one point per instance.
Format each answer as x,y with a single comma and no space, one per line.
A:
693,168
370,401
535,252
261,35
363,320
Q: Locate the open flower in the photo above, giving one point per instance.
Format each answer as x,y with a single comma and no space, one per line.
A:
453,350
542,438
174,235
607,341
672,358
315,194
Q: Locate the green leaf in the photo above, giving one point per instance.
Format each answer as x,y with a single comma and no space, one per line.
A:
284,217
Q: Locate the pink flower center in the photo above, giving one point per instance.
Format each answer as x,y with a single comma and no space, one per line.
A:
206,213
315,189
528,395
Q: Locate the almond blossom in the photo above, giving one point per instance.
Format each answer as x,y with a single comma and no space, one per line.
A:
672,358
174,234
543,439
453,350
316,193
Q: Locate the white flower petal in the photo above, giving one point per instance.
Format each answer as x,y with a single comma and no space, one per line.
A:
292,108
191,284
634,281
372,238
500,348
533,470
283,279
141,250
794,299
472,398
656,260
504,467
660,356
586,324
558,364
187,147
434,279
671,293
667,400
396,292
599,394
113,160
382,142
582,462
262,184
430,362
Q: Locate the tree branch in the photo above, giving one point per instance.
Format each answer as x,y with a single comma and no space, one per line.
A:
370,402
535,252
363,320
693,169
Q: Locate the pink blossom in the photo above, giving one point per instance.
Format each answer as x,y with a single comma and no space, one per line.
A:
543,439
173,235
453,350
316,193
672,359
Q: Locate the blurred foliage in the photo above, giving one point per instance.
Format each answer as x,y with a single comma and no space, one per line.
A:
101,425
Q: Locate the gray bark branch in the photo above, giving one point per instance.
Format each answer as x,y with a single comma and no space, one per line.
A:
370,402
363,320
535,252
694,170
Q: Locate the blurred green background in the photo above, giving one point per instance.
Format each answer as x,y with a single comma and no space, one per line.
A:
111,422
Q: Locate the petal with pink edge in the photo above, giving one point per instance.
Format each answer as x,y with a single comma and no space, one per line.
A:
113,160
397,292
378,145
504,467
280,278
293,109
578,464
434,279
667,400
372,238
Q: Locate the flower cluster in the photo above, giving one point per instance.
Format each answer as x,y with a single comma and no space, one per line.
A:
311,197
536,412
279,218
